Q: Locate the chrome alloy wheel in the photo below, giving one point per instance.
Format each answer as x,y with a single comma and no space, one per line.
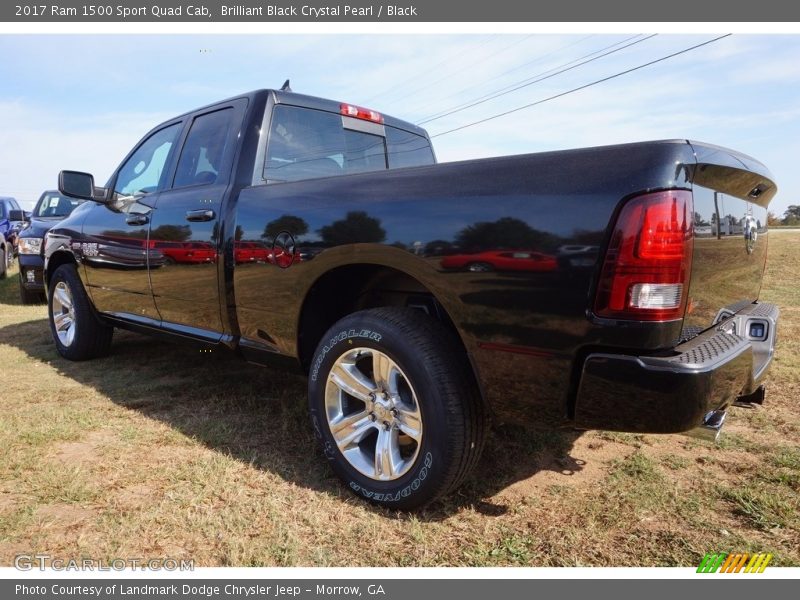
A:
373,414
64,313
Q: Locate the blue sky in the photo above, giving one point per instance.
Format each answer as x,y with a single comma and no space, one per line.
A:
81,101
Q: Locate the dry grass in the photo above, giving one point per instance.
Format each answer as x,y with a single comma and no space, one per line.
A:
159,450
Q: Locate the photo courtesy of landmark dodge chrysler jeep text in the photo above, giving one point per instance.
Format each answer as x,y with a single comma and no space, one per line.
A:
604,288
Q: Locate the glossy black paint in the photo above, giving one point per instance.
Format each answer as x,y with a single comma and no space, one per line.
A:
674,392
36,227
730,229
384,236
34,262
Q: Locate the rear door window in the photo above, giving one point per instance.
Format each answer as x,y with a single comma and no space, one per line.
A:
203,152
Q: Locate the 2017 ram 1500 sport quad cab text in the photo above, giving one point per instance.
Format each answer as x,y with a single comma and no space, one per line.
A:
612,288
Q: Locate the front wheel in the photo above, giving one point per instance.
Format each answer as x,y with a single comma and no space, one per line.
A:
395,407
77,331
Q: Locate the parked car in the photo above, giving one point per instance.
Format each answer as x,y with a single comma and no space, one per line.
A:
407,362
11,221
185,252
250,252
573,257
501,260
51,208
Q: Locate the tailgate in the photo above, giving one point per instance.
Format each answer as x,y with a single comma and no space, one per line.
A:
731,194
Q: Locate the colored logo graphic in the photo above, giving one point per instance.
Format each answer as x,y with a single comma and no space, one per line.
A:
722,562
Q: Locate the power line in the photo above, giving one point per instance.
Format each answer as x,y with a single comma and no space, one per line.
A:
535,79
427,86
441,63
528,63
528,79
583,87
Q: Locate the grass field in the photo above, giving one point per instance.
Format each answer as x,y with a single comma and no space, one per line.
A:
161,451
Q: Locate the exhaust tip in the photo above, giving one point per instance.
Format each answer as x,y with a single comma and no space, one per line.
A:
711,428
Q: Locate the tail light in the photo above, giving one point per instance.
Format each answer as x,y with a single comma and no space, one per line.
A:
357,112
647,267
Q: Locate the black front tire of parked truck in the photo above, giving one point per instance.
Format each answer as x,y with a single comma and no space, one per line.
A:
69,308
430,367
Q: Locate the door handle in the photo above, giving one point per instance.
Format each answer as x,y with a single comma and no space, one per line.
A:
204,214
137,219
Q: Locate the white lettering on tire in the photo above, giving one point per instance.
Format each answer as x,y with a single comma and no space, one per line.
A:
404,493
340,337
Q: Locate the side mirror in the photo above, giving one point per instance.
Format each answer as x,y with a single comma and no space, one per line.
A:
80,185
17,215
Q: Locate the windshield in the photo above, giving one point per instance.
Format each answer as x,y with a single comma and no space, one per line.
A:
53,204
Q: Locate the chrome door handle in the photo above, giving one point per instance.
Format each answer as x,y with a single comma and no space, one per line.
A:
196,216
137,219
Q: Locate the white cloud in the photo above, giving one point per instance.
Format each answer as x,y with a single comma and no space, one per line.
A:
741,92
37,144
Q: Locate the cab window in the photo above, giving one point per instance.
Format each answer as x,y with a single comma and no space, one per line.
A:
204,150
307,143
143,172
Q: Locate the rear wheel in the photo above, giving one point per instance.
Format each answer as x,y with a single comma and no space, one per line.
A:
479,267
77,331
395,407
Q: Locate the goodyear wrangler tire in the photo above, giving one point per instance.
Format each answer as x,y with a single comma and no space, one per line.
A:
77,331
395,407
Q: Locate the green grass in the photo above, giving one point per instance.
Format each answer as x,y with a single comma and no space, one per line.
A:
160,451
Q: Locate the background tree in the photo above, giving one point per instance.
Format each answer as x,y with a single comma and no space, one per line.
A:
294,225
171,233
357,227
772,219
505,233
792,215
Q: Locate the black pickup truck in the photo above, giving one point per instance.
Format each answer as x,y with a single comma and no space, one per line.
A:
603,288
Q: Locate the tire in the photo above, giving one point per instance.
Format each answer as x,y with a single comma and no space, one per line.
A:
3,263
479,267
435,435
79,334
29,296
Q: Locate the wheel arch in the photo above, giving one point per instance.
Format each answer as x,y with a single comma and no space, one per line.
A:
58,258
344,289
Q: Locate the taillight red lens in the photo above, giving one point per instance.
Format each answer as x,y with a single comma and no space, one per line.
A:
648,264
358,112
